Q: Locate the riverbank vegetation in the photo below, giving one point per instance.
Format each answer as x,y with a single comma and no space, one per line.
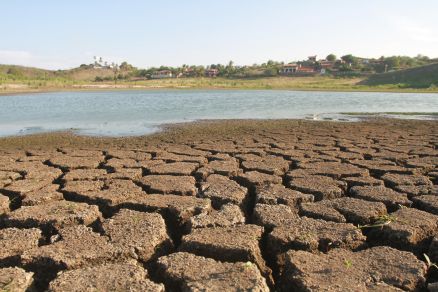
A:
349,73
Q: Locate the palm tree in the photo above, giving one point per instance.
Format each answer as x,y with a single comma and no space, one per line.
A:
230,68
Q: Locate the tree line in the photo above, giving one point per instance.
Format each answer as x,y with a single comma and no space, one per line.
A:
125,71
346,63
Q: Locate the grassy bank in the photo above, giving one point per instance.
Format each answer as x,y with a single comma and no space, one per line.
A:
390,113
418,77
289,83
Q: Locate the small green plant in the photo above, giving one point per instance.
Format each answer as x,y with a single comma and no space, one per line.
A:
429,262
348,263
54,211
71,206
380,221
13,200
247,265
136,219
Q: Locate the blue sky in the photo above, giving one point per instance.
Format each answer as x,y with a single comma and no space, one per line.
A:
59,34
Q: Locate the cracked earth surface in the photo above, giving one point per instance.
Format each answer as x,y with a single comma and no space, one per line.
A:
223,206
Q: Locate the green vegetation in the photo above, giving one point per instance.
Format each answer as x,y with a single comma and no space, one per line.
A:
380,221
348,263
391,113
311,83
429,262
418,77
331,58
349,73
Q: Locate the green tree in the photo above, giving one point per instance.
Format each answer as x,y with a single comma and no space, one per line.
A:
345,68
271,72
125,66
331,58
199,71
350,59
392,62
229,69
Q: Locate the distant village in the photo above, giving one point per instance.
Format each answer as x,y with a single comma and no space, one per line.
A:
313,66
347,65
310,67
188,72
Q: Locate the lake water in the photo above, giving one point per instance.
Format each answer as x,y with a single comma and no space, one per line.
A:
136,112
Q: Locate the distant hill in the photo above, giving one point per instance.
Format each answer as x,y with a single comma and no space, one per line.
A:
87,73
83,73
25,72
418,77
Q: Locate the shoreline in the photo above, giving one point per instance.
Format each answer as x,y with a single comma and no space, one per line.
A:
152,88
213,129
345,117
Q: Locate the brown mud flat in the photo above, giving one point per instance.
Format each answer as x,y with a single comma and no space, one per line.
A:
236,205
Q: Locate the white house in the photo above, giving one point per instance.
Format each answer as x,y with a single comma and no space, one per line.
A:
289,68
162,74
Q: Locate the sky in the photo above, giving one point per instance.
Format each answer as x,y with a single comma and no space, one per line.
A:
61,34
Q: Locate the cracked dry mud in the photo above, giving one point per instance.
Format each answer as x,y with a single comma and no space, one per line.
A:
282,205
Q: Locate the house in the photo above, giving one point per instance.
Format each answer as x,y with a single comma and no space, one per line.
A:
189,72
289,69
211,72
306,69
324,64
162,74
297,69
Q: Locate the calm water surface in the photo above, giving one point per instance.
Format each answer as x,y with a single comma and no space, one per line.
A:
120,113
